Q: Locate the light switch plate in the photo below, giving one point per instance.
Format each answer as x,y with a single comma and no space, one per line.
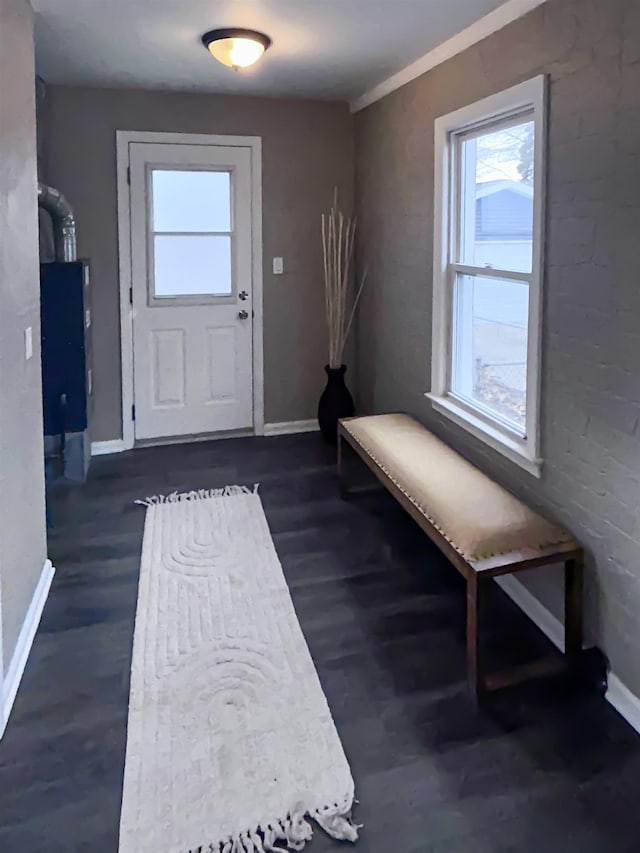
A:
278,266
28,343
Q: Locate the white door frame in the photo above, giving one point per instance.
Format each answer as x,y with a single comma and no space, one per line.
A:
123,139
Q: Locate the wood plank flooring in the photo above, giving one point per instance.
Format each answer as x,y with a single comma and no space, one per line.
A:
540,769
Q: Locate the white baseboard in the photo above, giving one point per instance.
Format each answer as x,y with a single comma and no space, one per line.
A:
117,445
291,427
102,448
626,703
538,613
12,680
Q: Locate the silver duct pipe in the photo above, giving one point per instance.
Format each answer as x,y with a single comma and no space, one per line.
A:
64,222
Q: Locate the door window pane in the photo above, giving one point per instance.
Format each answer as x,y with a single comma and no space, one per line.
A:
192,266
496,216
490,345
188,201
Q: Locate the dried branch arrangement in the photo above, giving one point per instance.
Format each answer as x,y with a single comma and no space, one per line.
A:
338,239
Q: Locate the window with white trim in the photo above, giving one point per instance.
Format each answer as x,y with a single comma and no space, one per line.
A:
488,263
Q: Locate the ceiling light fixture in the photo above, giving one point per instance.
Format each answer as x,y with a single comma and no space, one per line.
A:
234,47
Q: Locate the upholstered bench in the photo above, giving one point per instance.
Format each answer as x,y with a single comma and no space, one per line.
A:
483,529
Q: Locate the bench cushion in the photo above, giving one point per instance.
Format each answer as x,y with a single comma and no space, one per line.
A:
477,516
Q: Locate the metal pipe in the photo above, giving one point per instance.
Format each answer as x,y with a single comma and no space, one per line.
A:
64,222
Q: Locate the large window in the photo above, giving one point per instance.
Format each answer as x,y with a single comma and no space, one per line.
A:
488,269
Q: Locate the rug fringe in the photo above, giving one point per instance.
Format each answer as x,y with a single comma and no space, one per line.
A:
294,831
200,494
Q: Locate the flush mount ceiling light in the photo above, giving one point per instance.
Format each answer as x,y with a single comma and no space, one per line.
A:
236,47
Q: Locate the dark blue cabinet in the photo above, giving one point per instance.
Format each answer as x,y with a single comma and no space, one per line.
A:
66,352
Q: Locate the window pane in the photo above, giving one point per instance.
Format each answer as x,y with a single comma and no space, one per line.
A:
191,201
490,345
192,266
496,217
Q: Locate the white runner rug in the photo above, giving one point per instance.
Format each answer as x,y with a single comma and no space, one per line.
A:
231,746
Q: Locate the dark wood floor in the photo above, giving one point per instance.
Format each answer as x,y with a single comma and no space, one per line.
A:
542,769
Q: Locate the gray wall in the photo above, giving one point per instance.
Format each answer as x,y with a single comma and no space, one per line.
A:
591,374
307,149
22,528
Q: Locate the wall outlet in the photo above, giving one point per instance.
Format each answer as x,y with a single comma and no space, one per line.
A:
28,343
278,266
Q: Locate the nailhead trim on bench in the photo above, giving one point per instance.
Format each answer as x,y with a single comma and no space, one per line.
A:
476,559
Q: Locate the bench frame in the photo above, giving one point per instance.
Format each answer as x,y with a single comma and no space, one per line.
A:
570,555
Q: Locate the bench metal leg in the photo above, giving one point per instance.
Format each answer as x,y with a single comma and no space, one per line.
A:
344,450
473,637
573,630
547,666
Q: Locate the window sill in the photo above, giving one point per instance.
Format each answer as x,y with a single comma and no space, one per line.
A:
511,448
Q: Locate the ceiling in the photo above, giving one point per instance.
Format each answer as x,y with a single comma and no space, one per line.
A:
328,49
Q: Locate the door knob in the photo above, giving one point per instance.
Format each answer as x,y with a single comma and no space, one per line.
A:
243,315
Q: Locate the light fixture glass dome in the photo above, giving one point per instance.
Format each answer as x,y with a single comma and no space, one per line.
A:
236,48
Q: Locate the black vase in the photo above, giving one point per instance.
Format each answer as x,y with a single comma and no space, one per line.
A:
336,402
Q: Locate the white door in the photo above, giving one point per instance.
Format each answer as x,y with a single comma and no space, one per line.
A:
191,259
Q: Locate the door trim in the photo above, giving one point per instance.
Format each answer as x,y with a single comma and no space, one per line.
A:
124,138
